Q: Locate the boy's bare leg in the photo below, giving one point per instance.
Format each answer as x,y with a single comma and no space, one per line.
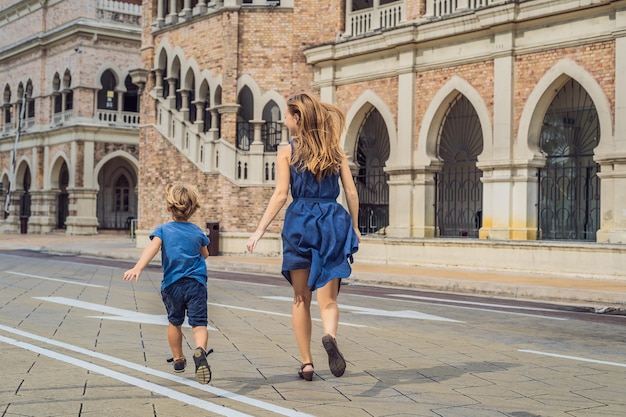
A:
200,336
175,339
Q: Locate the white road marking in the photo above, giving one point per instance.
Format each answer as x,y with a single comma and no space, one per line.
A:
55,279
219,409
139,383
417,297
271,313
513,313
408,314
575,358
119,314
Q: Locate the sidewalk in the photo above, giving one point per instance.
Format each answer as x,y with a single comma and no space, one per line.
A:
600,294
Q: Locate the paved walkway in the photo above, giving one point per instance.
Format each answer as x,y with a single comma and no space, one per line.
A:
601,294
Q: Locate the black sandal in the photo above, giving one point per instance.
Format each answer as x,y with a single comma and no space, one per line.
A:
308,375
336,362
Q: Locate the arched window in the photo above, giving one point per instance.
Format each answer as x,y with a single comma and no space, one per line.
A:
459,188
122,193
245,130
569,187
131,97
30,102
372,152
56,94
271,132
69,94
107,96
7,110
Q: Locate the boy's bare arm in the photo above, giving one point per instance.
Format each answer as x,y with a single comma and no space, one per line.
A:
146,256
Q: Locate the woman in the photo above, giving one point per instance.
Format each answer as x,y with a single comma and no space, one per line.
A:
319,235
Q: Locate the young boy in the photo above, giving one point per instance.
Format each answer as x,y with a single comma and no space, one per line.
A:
184,287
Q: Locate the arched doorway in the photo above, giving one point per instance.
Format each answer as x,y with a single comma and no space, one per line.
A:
25,201
372,152
458,211
117,199
569,187
63,206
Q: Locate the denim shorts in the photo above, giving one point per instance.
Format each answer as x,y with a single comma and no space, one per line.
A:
186,296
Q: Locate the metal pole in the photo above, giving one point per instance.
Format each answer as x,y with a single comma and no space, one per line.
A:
14,155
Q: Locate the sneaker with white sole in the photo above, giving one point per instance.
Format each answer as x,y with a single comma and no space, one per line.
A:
203,370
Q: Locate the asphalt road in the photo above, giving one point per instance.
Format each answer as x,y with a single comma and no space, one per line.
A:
76,340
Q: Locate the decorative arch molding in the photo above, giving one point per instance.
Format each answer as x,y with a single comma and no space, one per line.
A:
119,80
355,117
162,54
274,96
541,97
116,154
21,166
247,80
51,180
426,152
191,67
177,55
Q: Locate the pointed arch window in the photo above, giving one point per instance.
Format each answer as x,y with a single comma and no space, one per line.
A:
131,97
122,194
372,152
67,91
30,102
56,94
107,96
245,130
7,110
458,211
271,130
569,187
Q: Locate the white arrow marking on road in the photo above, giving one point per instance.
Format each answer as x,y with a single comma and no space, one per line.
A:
254,310
65,281
119,314
407,314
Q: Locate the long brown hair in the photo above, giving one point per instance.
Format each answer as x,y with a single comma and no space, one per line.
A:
316,142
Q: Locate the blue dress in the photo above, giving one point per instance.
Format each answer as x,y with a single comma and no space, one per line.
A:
317,232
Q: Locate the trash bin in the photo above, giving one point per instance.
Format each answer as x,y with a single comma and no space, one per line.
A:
213,233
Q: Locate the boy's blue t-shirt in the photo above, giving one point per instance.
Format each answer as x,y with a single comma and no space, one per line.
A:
180,252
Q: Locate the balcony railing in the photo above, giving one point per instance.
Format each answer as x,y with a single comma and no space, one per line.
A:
119,12
118,117
439,8
375,18
390,15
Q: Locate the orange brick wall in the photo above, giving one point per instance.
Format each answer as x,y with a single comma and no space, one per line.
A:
598,59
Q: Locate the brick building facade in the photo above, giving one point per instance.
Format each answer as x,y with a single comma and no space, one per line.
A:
497,125
69,160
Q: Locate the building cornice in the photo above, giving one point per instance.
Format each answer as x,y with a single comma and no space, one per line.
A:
470,37
80,27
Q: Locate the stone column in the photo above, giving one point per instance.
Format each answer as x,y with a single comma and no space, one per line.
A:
184,106
199,122
158,81
401,159
423,198
160,20
255,172
44,209
612,159
82,219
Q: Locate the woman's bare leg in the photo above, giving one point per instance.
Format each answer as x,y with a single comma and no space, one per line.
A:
301,314
329,310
